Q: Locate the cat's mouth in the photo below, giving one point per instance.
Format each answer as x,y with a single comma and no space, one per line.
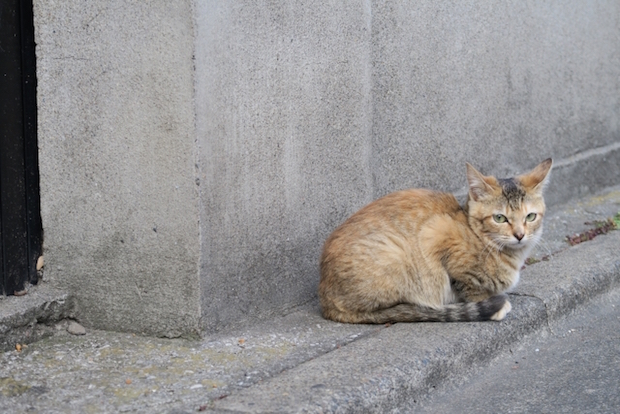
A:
518,244
514,243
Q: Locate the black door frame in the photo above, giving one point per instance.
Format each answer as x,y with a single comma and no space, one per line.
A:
21,232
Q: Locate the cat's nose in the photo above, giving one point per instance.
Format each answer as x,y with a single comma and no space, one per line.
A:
519,236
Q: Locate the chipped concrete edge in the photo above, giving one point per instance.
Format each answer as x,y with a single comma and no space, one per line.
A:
29,318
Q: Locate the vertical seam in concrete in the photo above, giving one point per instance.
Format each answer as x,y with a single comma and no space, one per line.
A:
197,166
370,78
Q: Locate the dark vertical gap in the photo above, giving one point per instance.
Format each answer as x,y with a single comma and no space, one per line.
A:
12,173
20,228
31,150
4,9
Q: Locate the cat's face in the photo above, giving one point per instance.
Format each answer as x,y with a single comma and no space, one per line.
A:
509,212
512,220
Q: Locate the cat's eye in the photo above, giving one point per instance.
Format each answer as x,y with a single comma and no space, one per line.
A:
499,218
530,217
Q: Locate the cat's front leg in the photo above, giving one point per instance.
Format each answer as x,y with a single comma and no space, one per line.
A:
470,288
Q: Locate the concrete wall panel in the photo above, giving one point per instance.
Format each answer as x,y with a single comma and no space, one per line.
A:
283,123
116,135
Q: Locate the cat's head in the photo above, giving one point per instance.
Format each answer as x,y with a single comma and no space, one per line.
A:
508,211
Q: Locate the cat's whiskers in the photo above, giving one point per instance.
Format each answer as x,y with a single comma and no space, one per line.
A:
501,246
490,246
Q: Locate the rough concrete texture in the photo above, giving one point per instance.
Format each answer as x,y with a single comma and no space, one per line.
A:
384,371
570,368
300,362
308,110
119,199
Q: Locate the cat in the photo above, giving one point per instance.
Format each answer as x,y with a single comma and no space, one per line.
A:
417,255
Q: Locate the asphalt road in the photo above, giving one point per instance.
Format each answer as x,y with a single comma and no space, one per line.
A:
572,368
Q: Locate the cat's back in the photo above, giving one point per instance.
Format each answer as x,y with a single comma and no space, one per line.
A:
375,253
401,213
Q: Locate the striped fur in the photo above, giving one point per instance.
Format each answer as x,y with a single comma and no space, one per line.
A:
455,312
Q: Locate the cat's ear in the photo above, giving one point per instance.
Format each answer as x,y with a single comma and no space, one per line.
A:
538,178
479,185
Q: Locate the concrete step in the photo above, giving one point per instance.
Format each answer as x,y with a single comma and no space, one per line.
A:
29,318
394,367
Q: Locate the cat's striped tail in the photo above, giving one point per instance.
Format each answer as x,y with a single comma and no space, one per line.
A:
494,308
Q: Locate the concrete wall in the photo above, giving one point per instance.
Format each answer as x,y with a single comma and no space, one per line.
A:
501,85
119,199
296,113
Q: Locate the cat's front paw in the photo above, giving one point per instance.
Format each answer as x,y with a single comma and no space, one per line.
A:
501,314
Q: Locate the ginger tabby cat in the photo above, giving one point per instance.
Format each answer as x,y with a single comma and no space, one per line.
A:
417,255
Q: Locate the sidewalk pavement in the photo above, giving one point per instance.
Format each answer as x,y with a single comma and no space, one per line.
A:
297,362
